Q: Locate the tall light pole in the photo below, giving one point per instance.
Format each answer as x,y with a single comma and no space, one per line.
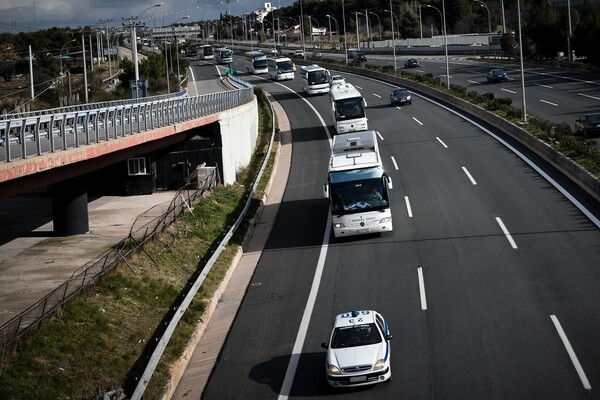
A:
482,4
366,14
302,29
106,21
85,83
503,20
379,22
521,58
357,37
443,17
134,58
392,15
337,26
570,34
177,50
345,37
329,20
421,20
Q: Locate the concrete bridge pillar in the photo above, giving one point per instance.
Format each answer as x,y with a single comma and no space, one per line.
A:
70,207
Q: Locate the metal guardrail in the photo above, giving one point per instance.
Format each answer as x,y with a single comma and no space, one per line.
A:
30,134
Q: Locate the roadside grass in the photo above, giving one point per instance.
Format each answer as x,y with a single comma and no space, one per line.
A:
101,341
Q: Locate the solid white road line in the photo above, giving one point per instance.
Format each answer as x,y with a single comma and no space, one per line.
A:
469,176
418,122
422,289
506,233
574,359
408,209
509,91
395,163
308,309
442,142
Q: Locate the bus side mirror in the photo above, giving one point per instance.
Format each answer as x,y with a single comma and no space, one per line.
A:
326,191
389,182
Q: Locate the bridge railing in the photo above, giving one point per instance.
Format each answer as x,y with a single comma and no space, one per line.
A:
31,134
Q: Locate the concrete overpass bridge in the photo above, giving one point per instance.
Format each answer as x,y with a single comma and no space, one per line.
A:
131,146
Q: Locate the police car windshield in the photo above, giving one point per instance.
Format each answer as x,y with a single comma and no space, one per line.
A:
357,335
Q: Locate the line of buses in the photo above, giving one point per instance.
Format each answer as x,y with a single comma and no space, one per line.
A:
357,185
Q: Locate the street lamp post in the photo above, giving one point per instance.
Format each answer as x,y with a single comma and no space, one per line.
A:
379,22
357,34
503,20
134,58
392,15
106,21
443,17
177,50
521,61
482,4
337,26
85,83
329,20
421,20
345,37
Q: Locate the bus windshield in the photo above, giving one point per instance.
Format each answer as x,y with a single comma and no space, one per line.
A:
226,54
260,62
285,66
358,191
317,77
349,109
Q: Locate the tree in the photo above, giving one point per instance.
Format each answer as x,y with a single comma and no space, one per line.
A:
587,33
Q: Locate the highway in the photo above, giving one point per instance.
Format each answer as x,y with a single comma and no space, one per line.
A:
507,307
557,95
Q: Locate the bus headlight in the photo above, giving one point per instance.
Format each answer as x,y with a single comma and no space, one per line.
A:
384,220
339,225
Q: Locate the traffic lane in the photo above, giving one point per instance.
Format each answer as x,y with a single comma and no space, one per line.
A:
205,78
553,230
253,360
369,272
447,191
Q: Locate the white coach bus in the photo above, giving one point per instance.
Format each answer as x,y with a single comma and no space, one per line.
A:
280,68
357,186
314,79
224,55
255,62
348,108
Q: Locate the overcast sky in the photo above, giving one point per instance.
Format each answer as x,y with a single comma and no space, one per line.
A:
29,15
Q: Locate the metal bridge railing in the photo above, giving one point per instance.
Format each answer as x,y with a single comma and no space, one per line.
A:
36,133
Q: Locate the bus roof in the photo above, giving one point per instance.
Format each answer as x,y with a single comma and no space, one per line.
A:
343,91
279,59
354,150
310,68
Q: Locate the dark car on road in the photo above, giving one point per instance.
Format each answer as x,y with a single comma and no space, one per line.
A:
588,125
357,56
400,95
411,63
497,75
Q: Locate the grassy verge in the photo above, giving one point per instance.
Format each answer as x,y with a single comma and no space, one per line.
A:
100,341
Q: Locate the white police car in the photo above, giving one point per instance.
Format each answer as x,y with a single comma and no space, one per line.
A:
358,352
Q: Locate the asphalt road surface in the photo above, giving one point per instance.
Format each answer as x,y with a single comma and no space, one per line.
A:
508,306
